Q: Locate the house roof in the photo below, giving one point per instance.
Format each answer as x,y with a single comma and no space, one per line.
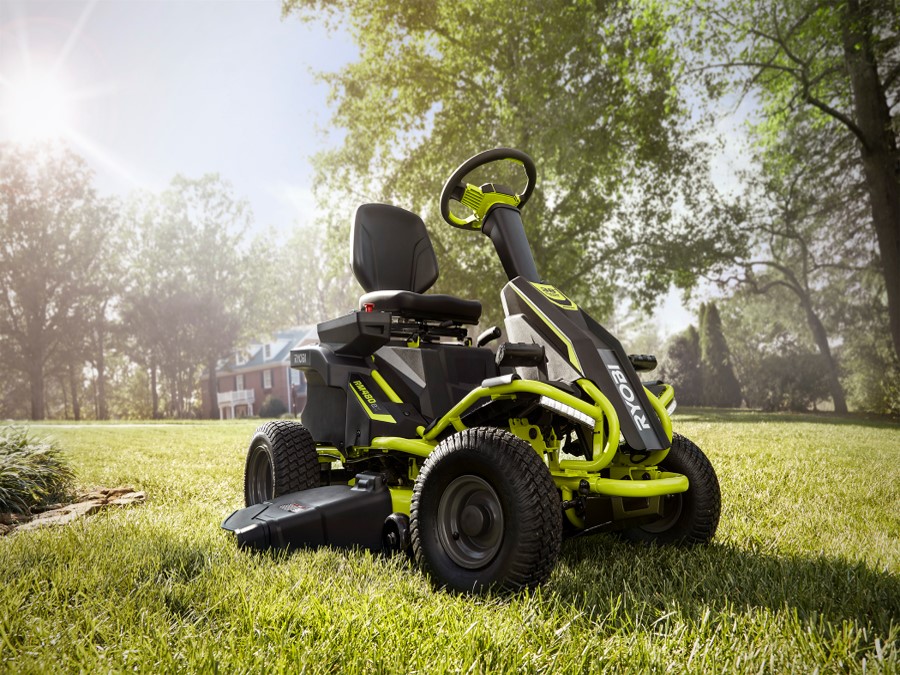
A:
279,351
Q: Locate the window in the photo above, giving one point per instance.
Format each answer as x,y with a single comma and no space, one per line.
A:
240,358
267,379
239,382
267,352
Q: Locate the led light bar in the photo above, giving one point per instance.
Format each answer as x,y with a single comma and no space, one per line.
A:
567,411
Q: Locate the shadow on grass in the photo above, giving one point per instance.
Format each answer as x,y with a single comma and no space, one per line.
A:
722,576
721,415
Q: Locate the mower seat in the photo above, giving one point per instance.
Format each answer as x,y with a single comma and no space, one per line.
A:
393,260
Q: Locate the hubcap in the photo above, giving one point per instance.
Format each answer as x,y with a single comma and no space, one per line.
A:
672,506
470,522
259,477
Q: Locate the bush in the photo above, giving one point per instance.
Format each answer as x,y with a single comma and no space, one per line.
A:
32,471
272,407
787,378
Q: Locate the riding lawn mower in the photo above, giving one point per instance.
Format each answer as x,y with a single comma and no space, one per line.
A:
475,461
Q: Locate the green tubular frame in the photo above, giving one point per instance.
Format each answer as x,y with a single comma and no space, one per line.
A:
567,474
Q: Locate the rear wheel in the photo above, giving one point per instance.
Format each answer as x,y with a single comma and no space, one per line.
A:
282,458
485,513
690,517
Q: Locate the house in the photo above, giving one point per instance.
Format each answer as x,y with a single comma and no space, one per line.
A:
251,375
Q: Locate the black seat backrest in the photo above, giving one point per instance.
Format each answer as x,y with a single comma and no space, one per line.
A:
390,250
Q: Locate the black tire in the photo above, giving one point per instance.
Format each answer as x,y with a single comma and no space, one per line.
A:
485,513
691,517
282,458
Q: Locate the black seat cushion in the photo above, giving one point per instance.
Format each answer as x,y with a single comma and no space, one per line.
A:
435,307
390,250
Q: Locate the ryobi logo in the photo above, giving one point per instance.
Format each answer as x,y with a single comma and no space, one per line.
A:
361,388
628,395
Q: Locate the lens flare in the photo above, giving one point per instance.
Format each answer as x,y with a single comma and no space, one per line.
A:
35,107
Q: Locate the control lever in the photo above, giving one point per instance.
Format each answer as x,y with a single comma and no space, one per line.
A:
491,333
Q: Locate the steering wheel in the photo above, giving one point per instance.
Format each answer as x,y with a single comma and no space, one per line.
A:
480,199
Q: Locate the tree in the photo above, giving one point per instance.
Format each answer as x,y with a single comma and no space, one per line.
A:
772,350
190,294
681,367
52,224
585,88
309,285
720,386
838,60
806,232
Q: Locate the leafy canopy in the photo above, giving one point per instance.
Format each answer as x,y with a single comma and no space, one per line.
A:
587,89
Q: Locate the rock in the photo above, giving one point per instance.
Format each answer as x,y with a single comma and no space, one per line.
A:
128,498
113,493
93,496
87,504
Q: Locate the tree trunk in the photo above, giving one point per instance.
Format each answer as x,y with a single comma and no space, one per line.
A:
878,148
36,382
73,387
154,394
65,396
212,388
820,337
100,365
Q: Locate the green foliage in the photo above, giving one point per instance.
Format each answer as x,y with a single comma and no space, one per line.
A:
310,279
698,364
827,78
871,368
33,471
587,89
56,235
803,576
191,282
680,367
773,353
720,386
789,379
272,407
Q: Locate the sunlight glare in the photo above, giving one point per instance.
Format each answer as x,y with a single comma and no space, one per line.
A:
36,108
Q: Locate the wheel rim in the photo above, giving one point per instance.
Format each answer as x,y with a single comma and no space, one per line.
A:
671,513
470,522
260,483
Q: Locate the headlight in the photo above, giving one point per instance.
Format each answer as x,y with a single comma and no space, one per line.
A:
567,411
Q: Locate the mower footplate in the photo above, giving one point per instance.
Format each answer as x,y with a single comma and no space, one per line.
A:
334,515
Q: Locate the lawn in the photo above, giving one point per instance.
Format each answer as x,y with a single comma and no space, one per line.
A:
803,575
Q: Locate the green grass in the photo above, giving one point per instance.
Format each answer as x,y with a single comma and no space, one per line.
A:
804,573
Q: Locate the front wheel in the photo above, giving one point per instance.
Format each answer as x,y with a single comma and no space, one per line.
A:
690,517
485,513
281,458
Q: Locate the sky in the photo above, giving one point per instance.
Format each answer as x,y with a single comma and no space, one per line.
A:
147,89
156,88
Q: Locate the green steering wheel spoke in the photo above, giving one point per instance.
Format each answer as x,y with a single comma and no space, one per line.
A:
480,202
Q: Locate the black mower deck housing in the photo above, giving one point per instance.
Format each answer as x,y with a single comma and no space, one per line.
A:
333,515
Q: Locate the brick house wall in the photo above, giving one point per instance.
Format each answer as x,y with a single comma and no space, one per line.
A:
246,379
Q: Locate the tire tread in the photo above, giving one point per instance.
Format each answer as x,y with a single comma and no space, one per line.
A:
294,457
541,524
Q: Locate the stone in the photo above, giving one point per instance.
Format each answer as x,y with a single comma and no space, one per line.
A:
88,503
